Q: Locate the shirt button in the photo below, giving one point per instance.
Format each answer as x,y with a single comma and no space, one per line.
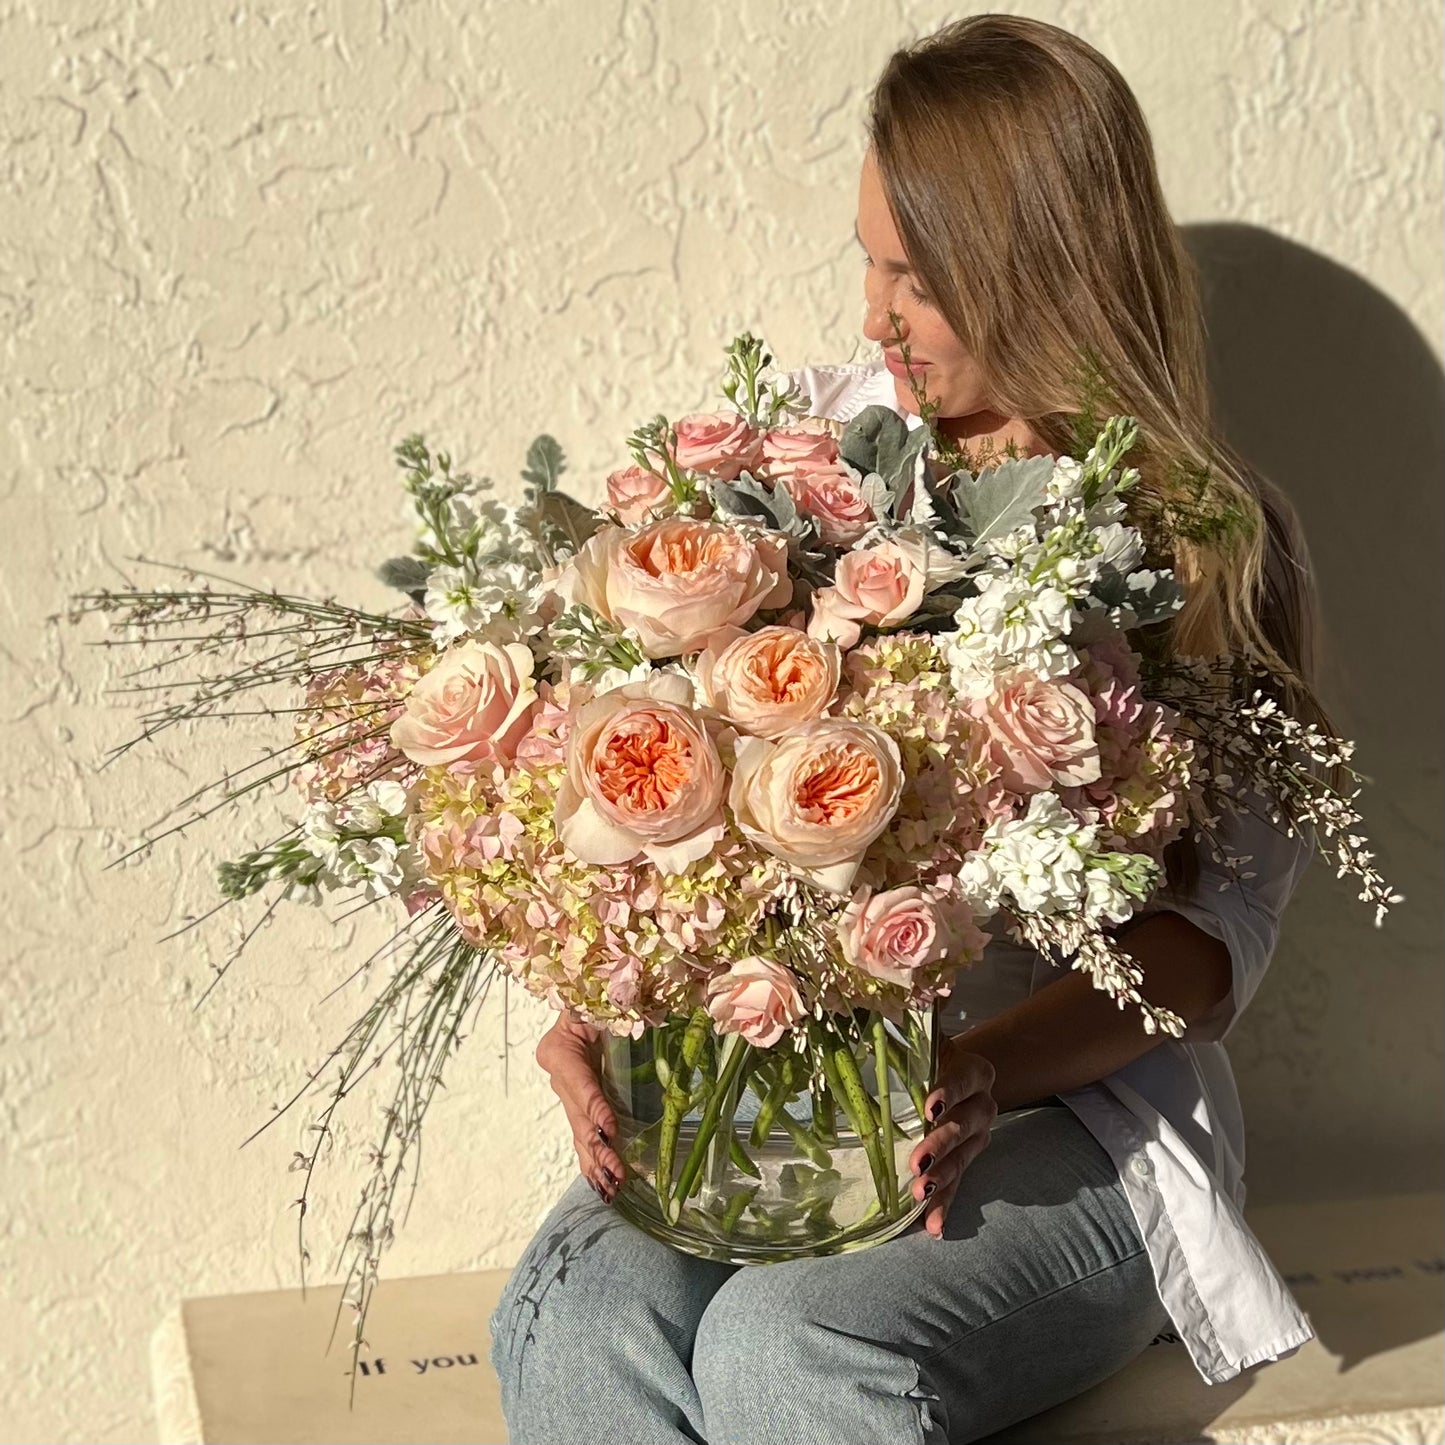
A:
1142,1168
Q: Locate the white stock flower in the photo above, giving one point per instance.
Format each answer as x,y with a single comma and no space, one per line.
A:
1120,547
1010,624
609,678
494,523
1038,862
379,801
371,862
1105,897
501,602
1067,481
321,831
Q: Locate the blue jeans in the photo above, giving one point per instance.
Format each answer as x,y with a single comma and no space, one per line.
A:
1040,1288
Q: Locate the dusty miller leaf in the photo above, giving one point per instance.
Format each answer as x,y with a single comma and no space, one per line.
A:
574,521
406,574
1004,498
545,463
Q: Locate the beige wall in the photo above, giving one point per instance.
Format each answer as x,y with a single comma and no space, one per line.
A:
245,248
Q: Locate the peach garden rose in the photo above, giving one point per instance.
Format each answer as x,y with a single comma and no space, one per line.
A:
473,706
818,796
643,778
1041,732
679,582
634,493
892,935
720,444
768,681
833,498
755,998
880,585
807,444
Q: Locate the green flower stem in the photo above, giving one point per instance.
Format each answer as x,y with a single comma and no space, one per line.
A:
804,1142
825,1112
885,1108
675,1105
848,1090
772,1101
734,1053
736,1153
735,1206
900,1062
740,1158
720,1151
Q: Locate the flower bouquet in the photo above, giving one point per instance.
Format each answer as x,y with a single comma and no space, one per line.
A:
741,767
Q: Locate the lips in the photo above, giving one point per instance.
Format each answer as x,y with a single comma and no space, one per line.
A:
894,363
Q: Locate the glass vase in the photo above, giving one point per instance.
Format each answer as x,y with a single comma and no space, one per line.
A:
750,1155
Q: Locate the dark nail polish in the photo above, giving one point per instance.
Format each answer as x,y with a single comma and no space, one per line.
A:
935,1108
596,1188
929,1187
610,1176
925,1164
602,1135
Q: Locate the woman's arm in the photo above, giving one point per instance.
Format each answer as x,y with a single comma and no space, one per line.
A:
1069,1033
1066,1035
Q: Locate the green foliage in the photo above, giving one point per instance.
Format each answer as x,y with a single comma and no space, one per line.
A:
1001,500
545,463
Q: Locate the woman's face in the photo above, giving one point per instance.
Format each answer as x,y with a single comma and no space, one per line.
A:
948,373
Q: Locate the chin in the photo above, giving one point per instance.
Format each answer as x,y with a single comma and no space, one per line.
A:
905,396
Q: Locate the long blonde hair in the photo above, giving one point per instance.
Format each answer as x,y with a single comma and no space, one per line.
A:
1022,180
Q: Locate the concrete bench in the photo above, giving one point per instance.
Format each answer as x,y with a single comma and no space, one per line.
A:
1370,1273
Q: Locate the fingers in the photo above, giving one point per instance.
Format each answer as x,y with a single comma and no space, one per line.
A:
963,1074
566,1053
946,1151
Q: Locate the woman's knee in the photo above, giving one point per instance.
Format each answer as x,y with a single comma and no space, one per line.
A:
593,1306
777,1356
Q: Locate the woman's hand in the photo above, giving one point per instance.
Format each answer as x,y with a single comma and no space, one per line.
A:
961,1109
570,1055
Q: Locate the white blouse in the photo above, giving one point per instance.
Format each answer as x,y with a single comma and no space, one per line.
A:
1170,1120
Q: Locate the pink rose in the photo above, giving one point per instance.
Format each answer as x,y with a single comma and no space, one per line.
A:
474,706
643,778
634,492
818,796
770,680
720,444
678,582
756,999
832,497
879,585
805,446
1041,733
892,935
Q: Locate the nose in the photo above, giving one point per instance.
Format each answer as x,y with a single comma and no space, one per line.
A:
876,325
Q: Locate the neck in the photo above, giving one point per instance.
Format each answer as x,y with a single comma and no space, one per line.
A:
987,435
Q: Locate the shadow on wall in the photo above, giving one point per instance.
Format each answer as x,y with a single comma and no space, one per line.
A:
1329,389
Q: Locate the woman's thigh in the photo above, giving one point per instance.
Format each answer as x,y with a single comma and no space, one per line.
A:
594,1331
1040,1288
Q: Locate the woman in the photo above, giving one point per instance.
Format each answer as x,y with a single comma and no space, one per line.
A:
1012,221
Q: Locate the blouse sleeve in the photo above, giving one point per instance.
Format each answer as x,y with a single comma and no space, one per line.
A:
1244,915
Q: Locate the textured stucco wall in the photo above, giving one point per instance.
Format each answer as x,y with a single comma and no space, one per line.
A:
244,248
